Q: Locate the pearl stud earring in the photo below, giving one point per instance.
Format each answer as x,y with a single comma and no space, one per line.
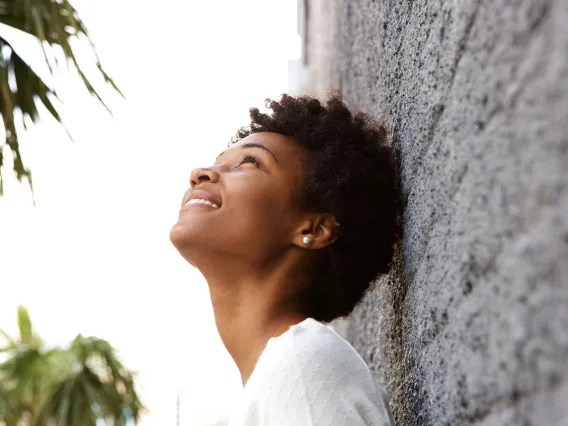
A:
306,240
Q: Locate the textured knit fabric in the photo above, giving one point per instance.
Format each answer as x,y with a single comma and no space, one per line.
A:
310,376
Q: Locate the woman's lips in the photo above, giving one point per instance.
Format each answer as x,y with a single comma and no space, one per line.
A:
201,198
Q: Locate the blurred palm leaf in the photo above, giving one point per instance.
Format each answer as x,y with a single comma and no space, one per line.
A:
77,386
100,387
25,326
26,373
53,23
10,410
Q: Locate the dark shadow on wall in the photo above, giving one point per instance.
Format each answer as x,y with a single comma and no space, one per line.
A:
381,317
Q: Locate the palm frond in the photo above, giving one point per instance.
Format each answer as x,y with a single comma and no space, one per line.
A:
25,325
10,409
75,386
83,398
117,380
53,23
11,342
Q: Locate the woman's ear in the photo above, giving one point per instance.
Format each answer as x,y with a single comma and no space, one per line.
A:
317,232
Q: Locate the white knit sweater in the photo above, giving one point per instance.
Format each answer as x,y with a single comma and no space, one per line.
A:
310,376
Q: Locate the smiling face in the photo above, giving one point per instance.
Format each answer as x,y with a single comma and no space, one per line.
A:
246,205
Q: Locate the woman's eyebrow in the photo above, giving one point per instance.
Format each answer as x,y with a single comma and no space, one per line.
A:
254,145
257,145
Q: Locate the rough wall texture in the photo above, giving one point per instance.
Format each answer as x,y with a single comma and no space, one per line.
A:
472,325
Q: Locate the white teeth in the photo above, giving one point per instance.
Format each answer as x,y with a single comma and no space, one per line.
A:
201,201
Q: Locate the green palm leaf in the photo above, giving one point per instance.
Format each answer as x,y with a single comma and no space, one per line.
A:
94,391
53,23
77,386
10,410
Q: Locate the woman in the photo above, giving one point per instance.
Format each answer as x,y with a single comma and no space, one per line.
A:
290,227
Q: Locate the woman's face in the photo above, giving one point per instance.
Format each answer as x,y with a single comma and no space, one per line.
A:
245,205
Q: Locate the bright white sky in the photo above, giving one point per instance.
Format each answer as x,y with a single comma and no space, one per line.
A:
94,256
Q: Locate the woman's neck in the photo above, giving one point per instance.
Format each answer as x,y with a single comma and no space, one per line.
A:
250,308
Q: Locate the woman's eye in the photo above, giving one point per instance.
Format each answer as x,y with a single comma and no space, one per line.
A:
251,160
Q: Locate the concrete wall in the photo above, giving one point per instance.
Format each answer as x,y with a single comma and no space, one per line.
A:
472,325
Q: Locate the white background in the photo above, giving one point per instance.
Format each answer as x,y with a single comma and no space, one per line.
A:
93,256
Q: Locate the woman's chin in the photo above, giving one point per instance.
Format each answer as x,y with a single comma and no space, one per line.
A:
187,245
179,235
186,237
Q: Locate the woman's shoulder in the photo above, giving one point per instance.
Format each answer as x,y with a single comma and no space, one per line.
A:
315,349
310,372
311,337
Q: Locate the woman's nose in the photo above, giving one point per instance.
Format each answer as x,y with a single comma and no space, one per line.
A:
201,175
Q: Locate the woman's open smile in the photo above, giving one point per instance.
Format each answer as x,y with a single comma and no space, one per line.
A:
200,198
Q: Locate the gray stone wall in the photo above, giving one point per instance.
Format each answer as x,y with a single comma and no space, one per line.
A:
471,327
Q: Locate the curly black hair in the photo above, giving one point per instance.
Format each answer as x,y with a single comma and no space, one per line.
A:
351,173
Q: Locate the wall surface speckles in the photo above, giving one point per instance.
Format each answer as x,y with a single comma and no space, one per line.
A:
471,327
